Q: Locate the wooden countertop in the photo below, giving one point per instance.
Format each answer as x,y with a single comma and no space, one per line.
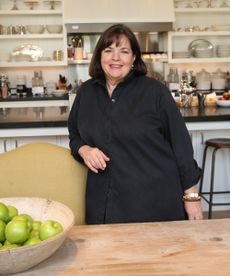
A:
166,248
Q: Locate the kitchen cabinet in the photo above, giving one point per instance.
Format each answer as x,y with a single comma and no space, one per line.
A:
199,23
13,138
49,42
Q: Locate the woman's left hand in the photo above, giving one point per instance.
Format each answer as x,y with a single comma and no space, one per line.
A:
193,210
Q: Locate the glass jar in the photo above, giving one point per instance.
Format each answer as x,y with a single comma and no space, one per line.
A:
203,79
218,80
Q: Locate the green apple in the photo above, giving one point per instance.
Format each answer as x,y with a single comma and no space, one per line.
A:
24,217
4,212
17,231
50,228
36,225
13,211
2,231
34,233
7,242
9,246
32,240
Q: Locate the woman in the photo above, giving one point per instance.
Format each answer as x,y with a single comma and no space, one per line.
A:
128,131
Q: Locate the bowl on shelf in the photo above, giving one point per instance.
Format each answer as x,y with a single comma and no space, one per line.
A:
201,48
22,258
35,29
54,29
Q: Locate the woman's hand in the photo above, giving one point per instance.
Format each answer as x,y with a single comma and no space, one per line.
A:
94,158
193,210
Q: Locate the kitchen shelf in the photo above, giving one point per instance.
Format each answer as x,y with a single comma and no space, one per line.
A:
32,36
200,60
82,61
206,33
48,42
203,18
30,12
33,64
202,10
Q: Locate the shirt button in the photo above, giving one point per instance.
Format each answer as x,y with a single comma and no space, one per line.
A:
113,100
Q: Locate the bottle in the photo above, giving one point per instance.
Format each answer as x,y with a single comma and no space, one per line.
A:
70,52
173,80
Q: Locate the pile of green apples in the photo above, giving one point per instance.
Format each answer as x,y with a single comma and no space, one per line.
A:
20,229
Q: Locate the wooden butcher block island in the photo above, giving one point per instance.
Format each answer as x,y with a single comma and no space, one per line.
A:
164,248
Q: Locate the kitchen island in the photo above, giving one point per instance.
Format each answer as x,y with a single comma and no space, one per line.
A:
162,248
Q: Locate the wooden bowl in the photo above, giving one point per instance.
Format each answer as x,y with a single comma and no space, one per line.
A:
22,258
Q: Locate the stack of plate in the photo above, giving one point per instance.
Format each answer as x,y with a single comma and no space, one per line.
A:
203,53
220,27
223,50
184,54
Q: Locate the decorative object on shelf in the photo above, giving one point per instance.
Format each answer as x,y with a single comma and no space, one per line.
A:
27,53
54,29
187,88
15,5
35,29
31,4
58,55
52,4
201,48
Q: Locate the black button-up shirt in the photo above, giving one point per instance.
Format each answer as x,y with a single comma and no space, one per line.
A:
151,157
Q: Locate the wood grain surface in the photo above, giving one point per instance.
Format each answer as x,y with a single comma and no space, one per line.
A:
166,248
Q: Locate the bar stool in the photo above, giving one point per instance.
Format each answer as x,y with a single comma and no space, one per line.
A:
216,144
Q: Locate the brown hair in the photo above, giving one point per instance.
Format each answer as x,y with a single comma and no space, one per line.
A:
109,36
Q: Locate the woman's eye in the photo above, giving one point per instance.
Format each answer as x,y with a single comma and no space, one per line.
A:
125,52
107,50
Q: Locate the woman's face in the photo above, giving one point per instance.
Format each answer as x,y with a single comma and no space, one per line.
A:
117,60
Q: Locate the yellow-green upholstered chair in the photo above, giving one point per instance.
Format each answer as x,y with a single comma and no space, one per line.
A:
44,170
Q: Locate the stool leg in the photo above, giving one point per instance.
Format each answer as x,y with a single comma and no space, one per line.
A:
202,172
212,183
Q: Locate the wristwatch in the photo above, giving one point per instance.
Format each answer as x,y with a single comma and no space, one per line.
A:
191,197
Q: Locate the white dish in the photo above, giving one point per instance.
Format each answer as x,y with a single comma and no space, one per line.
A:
221,27
27,52
35,29
223,103
59,93
54,29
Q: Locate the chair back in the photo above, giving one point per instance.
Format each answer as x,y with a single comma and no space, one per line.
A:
44,170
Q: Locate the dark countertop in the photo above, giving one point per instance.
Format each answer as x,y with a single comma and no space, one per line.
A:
45,97
32,117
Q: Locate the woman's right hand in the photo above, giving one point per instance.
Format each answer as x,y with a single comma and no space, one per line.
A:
94,158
